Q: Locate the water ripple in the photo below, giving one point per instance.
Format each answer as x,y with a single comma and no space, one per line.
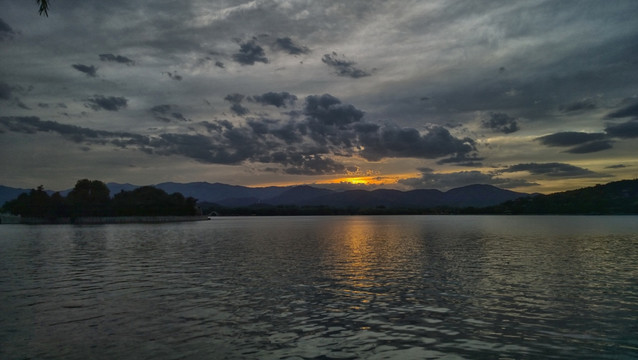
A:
322,288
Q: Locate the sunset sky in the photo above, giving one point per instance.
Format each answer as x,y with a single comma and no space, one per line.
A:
533,96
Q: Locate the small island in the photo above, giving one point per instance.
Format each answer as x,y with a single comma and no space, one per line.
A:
90,202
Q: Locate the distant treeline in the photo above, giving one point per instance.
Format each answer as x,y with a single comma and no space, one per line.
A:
294,210
619,197
92,198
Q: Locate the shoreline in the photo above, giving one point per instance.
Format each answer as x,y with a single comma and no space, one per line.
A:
106,220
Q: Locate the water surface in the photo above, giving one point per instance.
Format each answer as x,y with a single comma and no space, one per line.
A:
384,287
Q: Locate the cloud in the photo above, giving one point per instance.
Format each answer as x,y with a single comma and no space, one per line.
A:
627,130
174,75
329,110
627,111
236,107
616,166
303,144
286,44
462,160
552,170
591,147
90,71
5,91
167,113
501,122
220,64
301,163
250,53
397,142
116,58
110,103
569,138
6,32
579,106
445,181
586,142
33,124
275,99
343,66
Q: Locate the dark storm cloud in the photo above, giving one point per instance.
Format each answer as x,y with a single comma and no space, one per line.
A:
197,147
552,170
250,53
6,31
626,111
397,142
286,44
110,103
89,70
343,66
312,165
430,179
569,138
617,166
116,58
501,122
219,64
578,106
329,110
275,99
300,145
167,113
627,130
5,91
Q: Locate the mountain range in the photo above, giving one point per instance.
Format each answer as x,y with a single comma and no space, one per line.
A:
304,195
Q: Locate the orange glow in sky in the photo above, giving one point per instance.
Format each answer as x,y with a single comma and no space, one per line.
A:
369,180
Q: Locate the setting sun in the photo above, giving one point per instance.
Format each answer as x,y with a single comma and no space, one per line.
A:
357,180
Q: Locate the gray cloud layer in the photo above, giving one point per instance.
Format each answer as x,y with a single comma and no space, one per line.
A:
303,146
551,68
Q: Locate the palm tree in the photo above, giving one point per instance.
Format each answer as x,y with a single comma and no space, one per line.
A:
44,7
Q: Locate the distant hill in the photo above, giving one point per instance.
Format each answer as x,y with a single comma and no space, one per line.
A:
473,195
304,195
619,197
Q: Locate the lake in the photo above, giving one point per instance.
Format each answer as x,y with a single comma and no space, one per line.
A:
349,287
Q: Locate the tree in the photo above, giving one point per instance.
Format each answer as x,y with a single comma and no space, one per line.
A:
89,198
36,203
44,7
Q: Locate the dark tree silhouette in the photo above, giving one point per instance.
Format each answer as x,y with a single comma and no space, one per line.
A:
92,198
44,7
89,198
